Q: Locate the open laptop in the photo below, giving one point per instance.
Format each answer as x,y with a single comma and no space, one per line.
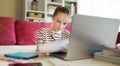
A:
88,30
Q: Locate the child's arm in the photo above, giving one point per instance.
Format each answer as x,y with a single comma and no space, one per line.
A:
39,39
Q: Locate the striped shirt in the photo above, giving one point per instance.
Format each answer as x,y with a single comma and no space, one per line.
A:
45,35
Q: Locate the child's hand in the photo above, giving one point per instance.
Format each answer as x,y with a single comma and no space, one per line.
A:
64,48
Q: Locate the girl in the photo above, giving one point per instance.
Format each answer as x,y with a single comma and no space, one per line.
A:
57,32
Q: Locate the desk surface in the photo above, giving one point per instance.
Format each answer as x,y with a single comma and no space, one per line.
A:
45,59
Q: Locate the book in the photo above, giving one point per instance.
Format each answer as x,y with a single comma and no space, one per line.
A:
51,9
111,51
72,8
107,58
21,55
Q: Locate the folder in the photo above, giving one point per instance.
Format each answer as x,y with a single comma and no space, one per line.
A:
21,55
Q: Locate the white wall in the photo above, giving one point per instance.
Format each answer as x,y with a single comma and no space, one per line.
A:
102,8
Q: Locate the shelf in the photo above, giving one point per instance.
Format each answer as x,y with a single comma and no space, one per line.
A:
46,8
54,3
68,1
49,13
35,18
35,11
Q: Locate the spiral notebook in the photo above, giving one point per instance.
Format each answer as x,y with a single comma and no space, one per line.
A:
21,55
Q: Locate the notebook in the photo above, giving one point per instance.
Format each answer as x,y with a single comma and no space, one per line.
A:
21,55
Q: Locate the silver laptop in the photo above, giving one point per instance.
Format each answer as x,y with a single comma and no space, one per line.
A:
87,30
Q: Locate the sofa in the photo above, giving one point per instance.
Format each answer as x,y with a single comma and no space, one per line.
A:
21,32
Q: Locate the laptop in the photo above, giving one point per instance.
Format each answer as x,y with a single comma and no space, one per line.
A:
88,34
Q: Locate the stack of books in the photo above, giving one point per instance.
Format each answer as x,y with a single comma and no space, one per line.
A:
109,55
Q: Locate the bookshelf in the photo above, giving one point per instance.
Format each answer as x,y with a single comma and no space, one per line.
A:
45,9
72,6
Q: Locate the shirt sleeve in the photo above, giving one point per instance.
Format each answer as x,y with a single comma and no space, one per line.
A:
40,38
65,34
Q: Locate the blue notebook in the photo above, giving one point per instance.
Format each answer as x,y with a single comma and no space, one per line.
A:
21,55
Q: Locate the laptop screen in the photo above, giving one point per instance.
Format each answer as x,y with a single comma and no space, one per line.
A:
101,30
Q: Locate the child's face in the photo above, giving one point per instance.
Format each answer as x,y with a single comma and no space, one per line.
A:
60,21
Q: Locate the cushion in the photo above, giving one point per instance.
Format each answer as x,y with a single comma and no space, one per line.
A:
26,32
68,27
7,31
49,24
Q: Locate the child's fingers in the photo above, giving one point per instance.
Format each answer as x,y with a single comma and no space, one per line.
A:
63,49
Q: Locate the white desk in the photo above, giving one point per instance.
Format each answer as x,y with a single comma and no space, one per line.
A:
45,61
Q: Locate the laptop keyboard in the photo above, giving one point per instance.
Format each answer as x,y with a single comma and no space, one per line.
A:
59,54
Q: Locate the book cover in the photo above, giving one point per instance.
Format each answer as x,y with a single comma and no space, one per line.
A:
21,55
